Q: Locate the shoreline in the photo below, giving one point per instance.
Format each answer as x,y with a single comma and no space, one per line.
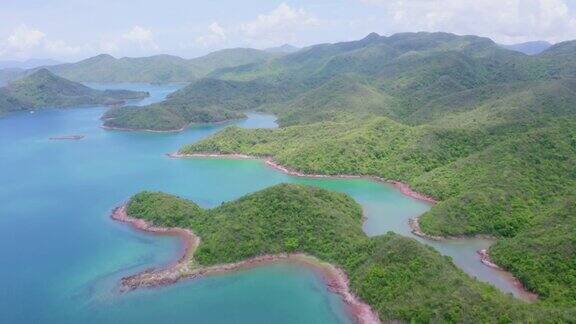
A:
67,137
182,269
404,188
487,260
416,230
113,128
179,130
414,224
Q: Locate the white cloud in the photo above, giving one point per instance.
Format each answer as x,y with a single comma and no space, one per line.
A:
24,38
278,26
26,41
142,36
216,36
503,20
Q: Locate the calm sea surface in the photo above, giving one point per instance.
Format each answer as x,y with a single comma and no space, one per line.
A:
62,256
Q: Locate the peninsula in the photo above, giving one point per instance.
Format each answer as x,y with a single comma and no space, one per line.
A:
399,278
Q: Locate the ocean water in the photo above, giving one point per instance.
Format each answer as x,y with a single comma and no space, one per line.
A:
62,256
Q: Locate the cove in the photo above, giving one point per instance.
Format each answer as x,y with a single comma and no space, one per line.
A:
63,256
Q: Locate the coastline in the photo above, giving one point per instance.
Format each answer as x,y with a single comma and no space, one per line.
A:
487,260
402,187
415,229
67,137
178,130
112,128
414,224
336,280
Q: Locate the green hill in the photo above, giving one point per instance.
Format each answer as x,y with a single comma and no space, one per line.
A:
387,76
488,132
488,183
529,48
543,256
399,277
44,89
158,68
9,103
203,101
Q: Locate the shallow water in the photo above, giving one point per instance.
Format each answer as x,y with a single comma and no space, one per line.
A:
62,256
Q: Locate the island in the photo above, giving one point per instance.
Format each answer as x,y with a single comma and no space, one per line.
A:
67,137
381,278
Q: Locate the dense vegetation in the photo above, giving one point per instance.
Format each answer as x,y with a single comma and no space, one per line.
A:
529,48
544,256
158,68
9,103
399,277
406,77
44,89
206,100
491,133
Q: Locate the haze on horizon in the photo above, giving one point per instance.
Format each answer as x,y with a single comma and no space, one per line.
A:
70,30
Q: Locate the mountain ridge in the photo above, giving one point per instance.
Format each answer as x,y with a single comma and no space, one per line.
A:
42,88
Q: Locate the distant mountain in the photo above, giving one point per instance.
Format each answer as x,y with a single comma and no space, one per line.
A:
563,50
158,68
44,89
28,64
10,74
529,48
283,49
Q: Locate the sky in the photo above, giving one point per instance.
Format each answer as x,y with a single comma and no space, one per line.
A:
69,30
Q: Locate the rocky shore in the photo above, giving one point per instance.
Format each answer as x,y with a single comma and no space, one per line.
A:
415,229
485,259
184,268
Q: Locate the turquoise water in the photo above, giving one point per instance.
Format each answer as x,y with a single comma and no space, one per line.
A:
62,256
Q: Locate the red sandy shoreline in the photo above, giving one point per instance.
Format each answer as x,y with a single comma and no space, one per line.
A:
183,268
485,259
401,186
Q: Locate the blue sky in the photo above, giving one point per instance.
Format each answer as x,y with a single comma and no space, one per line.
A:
75,29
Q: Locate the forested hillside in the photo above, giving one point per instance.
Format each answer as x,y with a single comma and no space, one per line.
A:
206,100
411,78
488,132
158,68
400,278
